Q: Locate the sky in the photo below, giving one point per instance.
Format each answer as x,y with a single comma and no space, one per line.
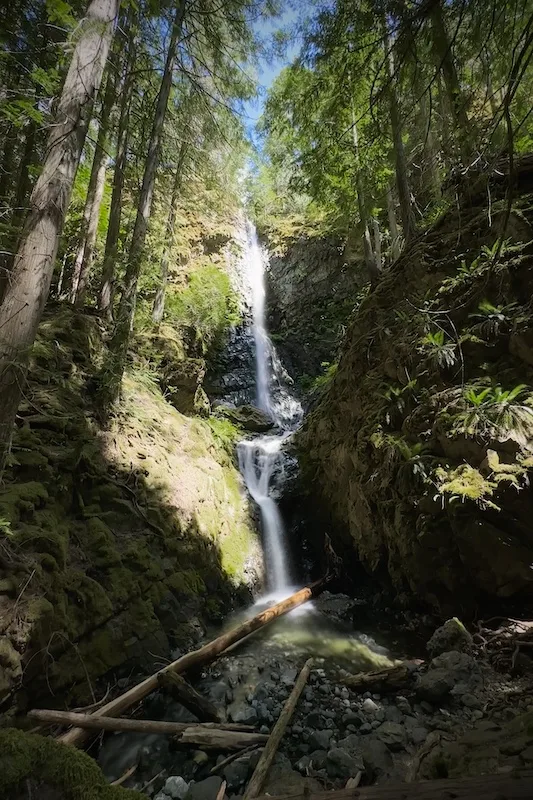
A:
269,68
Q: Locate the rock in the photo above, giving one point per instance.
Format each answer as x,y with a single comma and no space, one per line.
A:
319,740
200,757
283,780
403,704
341,764
161,796
418,735
339,607
366,727
369,707
450,636
352,718
393,714
471,701
315,720
248,417
444,673
376,757
289,676
392,734
204,790
176,786
318,759
245,716
236,773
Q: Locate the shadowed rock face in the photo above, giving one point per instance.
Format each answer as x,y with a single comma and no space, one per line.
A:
424,473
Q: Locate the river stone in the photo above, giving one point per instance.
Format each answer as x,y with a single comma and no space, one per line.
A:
341,764
471,701
318,759
369,707
237,772
319,740
392,734
376,757
204,790
245,716
176,786
450,636
446,672
418,735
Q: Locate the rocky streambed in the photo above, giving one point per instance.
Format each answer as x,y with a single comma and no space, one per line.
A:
453,716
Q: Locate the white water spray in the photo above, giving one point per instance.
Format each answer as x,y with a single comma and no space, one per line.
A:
260,458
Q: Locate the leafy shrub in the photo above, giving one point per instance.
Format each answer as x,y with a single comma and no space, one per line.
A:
441,350
492,320
495,409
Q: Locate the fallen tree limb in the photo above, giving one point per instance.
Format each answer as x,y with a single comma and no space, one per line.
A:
197,658
188,697
267,756
99,723
390,678
217,739
232,757
484,787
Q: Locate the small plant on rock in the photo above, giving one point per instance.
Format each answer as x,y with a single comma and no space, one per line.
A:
399,399
490,320
493,408
440,350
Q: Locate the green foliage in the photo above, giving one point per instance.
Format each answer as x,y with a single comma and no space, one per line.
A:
493,410
440,349
490,320
398,401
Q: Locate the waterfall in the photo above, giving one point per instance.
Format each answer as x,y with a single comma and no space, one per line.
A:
260,458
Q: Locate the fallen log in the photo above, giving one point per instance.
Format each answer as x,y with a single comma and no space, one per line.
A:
188,697
217,739
99,723
518,786
197,658
267,756
388,679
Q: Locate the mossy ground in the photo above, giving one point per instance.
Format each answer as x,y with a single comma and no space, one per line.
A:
420,448
112,538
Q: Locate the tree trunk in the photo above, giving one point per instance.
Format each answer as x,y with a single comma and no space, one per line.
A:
113,370
442,48
95,193
370,263
402,180
187,695
28,288
105,300
198,658
393,226
267,756
159,300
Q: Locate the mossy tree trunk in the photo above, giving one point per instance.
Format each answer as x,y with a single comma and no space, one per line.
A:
95,193
29,284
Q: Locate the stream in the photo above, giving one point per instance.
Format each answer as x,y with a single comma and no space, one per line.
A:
253,680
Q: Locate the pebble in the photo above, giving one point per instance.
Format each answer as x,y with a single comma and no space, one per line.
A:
176,787
369,707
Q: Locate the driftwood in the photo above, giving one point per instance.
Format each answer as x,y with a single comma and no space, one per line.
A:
229,759
197,658
483,787
388,679
222,791
267,756
180,729
188,697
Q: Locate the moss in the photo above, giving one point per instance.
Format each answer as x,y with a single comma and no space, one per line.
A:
187,582
464,481
41,540
71,772
21,498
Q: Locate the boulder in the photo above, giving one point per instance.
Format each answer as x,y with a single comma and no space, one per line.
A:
446,672
338,607
341,764
450,636
246,715
376,757
236,773
176,787
204,790
248,417
392,734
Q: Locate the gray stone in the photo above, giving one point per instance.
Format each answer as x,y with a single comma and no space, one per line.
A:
246,715
318,759
392,734
369,707
315,720
237,772
319,740
352,718
341,764
393,714
434,685
450,636
418,735
288,677
471,701
403,704
204,790
376,757
336,606
161,796
176,786
366,727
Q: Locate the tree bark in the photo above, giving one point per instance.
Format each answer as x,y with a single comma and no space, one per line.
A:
391,678
198,658
95,193
393,225
442,48
159,300
118,347
189,697
370,262
267,756
402,180
29,284
105,300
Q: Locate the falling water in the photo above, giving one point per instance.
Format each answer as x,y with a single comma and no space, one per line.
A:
262,457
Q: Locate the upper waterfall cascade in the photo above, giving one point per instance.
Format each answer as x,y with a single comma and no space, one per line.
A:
261,457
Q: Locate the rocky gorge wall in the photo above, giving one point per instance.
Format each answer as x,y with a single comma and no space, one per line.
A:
420,450
311,291
118,543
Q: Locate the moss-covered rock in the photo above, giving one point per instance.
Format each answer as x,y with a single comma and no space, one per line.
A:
47,768
420,447
111,540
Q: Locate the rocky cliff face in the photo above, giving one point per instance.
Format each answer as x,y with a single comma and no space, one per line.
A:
311,293
117,543
421,448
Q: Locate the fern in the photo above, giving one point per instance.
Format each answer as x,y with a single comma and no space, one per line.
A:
440,351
